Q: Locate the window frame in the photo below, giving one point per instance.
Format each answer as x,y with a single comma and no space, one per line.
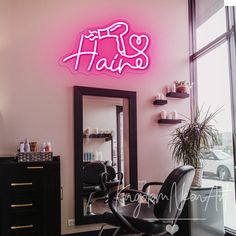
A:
230,37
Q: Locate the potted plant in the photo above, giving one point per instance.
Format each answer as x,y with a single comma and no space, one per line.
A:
192,139
182,86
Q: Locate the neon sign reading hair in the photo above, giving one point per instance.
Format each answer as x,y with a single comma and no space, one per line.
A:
112,49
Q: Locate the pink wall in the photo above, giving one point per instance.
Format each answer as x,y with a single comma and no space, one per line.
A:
36,93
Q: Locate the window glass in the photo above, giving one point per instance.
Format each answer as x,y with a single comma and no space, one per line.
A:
211,28
214,92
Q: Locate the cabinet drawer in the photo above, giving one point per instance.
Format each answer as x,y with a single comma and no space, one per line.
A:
21,206
28,231
25,187
18,196
25,221
26,175
24,217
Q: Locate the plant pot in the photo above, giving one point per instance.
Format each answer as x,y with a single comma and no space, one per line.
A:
197,179
182,89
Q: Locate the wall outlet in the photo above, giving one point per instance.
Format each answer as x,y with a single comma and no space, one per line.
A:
71,222
141,183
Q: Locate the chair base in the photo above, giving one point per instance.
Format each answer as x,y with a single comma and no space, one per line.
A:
114,233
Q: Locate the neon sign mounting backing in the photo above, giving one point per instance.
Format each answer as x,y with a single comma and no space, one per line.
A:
113,49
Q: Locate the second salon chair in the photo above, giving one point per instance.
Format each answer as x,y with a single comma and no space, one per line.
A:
93,183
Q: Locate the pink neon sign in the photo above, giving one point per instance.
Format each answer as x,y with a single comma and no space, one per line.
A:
113,49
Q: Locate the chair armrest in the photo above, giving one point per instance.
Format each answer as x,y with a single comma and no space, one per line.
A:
120,176
145,186
103,180
123,221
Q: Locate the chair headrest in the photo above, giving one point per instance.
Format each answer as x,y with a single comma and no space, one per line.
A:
173,193
92,172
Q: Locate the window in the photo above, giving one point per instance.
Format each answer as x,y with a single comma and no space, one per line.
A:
211,29
213,74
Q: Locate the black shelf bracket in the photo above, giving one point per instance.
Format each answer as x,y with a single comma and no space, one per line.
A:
177,95
159,102
169,121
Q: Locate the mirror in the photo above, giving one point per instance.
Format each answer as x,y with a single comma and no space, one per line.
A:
105,134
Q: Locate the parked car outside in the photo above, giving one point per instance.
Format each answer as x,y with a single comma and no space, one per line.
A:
218,163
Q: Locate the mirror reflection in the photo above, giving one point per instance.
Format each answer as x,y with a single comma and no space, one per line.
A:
105,150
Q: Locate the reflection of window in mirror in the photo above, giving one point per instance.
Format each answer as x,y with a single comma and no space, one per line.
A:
106,139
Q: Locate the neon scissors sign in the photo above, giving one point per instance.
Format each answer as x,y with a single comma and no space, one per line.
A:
112,49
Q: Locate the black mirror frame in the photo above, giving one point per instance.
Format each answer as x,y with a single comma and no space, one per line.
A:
80,219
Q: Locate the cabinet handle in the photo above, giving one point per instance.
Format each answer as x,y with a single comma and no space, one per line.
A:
34,167
61,193
21,205
22,226
21,184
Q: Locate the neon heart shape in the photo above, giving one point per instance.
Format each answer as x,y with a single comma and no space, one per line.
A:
172,228
136,41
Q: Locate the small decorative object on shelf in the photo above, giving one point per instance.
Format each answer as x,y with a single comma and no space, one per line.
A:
22,146
177,95
87,131
26,146
168,118
92,156
28,152
33,146
104,135
169,121
160,99
163,114
95,131
174,115
173,87
182,86
48,147
34,156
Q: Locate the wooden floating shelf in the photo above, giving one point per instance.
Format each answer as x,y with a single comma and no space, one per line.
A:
107,137
169,121
177,95
159,102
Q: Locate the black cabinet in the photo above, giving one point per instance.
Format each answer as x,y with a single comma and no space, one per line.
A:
30,198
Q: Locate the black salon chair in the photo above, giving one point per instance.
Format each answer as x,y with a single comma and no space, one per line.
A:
152,214
93,183
113,179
